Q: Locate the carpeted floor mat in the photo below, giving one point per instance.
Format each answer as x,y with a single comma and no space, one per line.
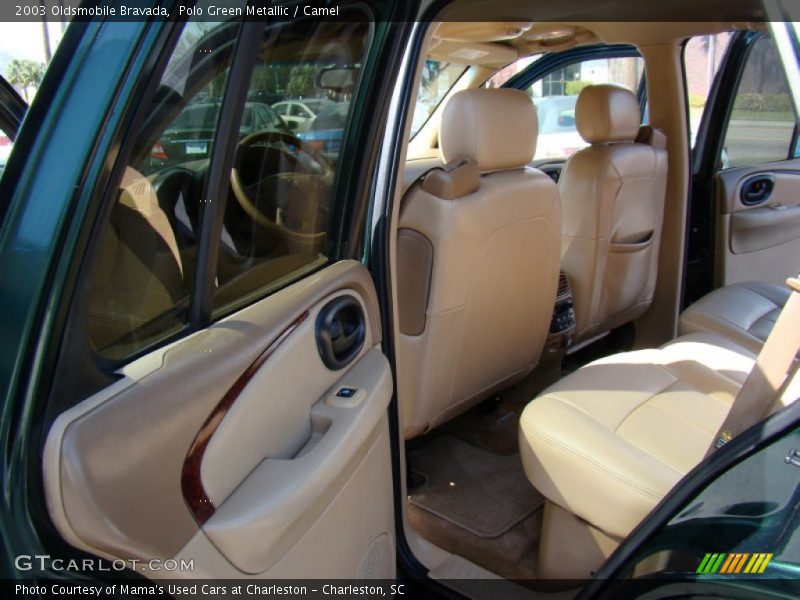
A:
483,493
491,426
513,555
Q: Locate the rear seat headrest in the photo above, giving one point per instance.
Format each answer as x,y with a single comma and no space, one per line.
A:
496,128
607,113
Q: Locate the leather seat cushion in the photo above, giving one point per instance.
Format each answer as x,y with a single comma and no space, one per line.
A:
607,442
743,312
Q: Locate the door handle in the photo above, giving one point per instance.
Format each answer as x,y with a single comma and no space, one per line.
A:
340,330
757,190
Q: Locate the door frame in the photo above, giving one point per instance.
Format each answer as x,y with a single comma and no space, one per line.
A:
700,264
50,286
35,261
737,450
12,109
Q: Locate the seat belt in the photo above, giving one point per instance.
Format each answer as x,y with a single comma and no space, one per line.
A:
765,380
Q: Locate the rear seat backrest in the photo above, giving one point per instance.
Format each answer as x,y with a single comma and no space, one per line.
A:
612,195
477,260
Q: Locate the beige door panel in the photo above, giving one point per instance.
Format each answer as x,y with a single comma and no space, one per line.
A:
232,428
764,227
273,506
760,242
786,176
270,417
338,522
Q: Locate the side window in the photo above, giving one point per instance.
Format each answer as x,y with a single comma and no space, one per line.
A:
762,122
555,96
281,109
277,212
277,208
145,264
23,64
702,57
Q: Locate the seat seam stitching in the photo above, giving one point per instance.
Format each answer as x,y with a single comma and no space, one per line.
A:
653,395
616,476
683,419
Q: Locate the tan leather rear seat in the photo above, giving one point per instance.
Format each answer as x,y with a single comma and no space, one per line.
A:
605,444
743,312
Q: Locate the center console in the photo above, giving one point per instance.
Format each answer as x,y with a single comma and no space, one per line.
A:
562,326
563,323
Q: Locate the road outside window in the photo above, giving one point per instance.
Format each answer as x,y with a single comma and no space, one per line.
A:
702,58
762,121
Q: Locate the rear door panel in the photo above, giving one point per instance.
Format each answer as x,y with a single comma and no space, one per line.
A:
231,445
759,240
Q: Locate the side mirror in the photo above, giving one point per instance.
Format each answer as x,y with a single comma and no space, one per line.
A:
337,79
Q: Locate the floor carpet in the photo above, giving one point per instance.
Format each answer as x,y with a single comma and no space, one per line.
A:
480,492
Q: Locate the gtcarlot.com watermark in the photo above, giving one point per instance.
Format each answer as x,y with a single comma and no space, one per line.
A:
44,562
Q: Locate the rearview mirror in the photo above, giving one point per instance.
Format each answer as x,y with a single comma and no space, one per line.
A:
337,79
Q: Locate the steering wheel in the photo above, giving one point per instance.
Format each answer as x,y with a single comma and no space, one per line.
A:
297,179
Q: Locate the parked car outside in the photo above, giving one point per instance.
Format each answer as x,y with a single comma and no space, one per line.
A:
326,132
190,135
300,114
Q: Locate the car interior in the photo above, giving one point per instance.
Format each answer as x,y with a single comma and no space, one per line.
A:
562,357
553,390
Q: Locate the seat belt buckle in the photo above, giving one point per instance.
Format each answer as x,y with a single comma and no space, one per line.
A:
724,437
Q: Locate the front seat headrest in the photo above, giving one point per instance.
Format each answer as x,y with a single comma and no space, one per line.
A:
495,128
607,113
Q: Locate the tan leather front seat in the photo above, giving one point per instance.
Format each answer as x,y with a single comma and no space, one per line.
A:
477,260
612,195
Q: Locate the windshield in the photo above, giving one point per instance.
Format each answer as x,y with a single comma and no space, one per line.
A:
556,114
438,78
